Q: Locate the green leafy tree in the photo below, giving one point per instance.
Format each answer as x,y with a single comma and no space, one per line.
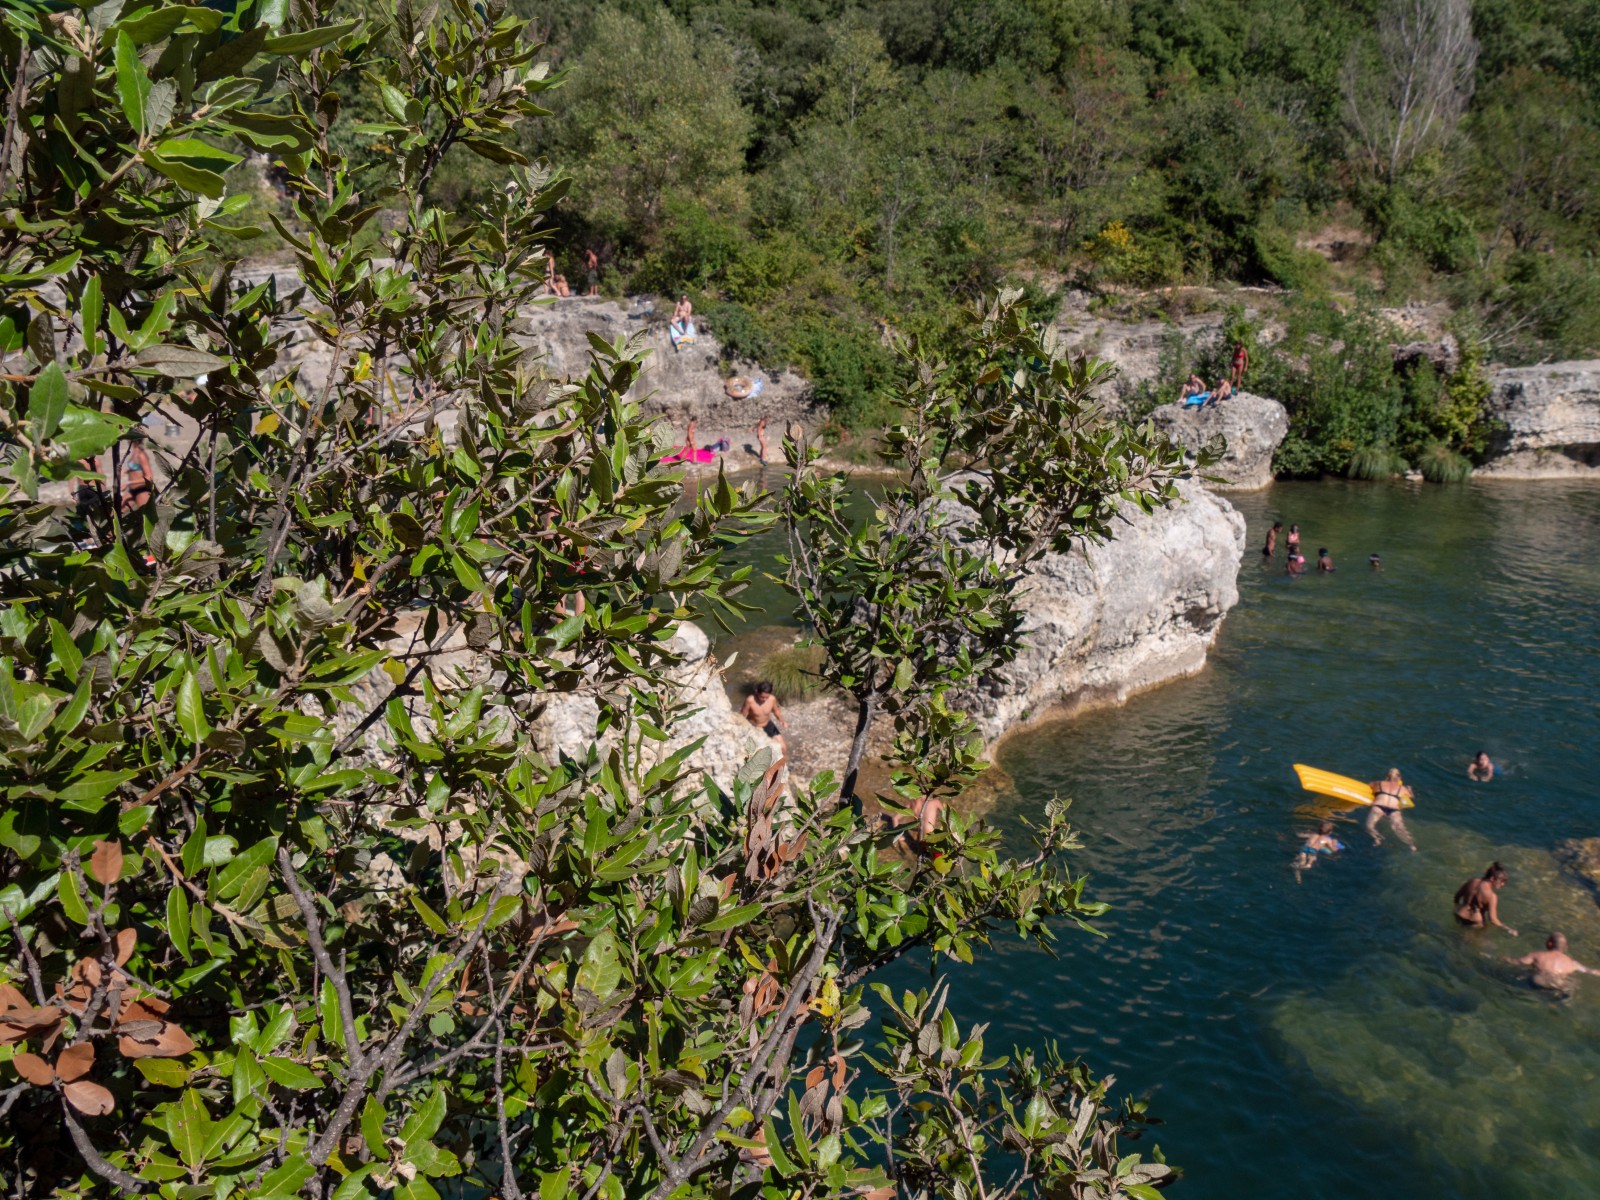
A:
296,895
650,111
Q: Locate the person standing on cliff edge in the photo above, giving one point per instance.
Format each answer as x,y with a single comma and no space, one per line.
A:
1241,364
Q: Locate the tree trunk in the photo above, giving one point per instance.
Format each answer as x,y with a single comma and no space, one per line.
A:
865,711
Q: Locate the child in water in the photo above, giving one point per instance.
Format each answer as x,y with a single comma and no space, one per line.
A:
1318,843
1324,562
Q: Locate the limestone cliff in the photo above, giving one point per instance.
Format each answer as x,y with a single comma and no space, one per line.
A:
1551,415
1252,427
1107,621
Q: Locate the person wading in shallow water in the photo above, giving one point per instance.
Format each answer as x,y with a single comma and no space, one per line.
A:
1478,901
1271,547
1552,965
1387,794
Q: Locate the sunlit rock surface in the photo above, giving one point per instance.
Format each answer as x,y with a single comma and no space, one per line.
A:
1551,414
1252,426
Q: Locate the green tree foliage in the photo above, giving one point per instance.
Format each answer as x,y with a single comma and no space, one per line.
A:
296,899
650,113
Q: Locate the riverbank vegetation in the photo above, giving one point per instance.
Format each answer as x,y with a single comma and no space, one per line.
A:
299,894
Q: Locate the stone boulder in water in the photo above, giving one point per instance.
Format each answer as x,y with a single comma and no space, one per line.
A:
1104,622
1551,418
1252,426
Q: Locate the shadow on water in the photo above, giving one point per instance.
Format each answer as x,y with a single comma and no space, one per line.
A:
1335,1033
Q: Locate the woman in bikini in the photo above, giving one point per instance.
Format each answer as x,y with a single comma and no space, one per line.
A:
1478,903
1387,795
1293,540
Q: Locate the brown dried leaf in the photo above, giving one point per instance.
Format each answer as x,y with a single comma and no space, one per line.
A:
169,1042
839,1070
89,971
90,1099
105,864
75,1061
815,1076
11,998
34,1069
125,940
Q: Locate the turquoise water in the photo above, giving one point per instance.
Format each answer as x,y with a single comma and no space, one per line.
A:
1336,1034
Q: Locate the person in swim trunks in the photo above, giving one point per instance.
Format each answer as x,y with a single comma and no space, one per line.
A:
1482,768
1553,964
1387,794
1318,843
1324,562
1271,547
761,709
1478,902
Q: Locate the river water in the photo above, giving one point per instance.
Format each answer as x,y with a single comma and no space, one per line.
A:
1335,1034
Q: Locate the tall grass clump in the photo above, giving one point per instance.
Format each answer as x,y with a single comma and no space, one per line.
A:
793,671
1376,462
1440,464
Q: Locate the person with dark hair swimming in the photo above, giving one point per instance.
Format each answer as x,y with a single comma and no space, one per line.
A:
1478,902
1324,562
1553,964
1482,768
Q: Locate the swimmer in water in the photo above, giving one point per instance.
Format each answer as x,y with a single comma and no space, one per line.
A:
1387,793
1374,562
1478,902
1296,564
1293,541
1482,768
1324,562
1271,547
1552,965
1320,842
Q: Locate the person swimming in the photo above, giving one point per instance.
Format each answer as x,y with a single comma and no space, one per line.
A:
1324,562
1552,965
1477,900
1318,843
1375,562
1482,768
1387,795
1296,564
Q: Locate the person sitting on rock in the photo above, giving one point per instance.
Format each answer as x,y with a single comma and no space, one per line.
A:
1195,387
682,328
1222,391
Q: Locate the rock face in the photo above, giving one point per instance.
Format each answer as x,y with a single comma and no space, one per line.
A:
1552,418
1135,346
682,383
1106,622
1253,427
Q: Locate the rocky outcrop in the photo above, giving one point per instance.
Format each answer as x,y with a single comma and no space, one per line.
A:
1136,347
1251,426
678,383
1101,624
1108,621
1551,417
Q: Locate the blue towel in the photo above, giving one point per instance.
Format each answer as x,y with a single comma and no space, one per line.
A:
1197,401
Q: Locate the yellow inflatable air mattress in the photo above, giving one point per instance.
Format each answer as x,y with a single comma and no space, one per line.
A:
1340,787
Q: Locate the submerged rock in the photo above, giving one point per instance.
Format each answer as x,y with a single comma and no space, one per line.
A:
1551,415
1252,426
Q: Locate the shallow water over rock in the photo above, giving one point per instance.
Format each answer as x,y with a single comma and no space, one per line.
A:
1334,1033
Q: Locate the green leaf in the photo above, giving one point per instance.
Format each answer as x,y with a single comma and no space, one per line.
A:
88,791
372,1126
192,710
90,309
188,1127
733,917
600,971
87,433
332,1018
71,899
179,361
289,1073
47,403
178,921
311,39
163,1072
133,82
191,178
425,1122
